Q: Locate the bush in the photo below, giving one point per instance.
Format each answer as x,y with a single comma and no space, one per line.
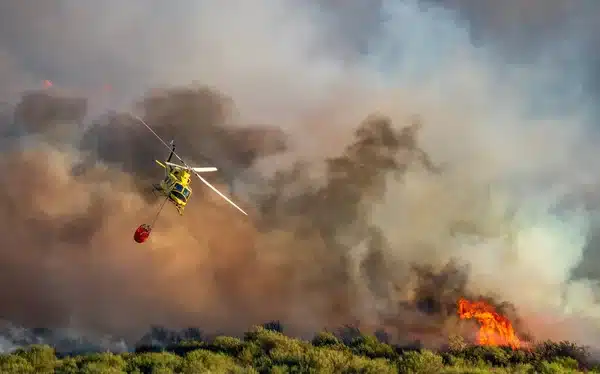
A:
420,362
285,351
549,351
253,355
327,360
370,366
545,367
456,343
326,339
68,365
567,362
202,361
265,350
100,368
366,345
15,364
183,347
493,356
102,363
278,347
150,362
41,357
227,344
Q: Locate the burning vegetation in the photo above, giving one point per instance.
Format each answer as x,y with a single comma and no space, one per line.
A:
495,329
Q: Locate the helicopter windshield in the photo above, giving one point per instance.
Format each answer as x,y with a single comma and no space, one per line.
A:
180,192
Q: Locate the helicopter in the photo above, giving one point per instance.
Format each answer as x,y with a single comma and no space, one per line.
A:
176,185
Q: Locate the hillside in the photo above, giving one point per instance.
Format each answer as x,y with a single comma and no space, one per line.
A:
268,350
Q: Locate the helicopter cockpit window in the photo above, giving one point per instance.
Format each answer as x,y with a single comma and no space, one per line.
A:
180,192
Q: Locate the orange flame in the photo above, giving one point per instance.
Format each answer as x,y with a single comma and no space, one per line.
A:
495,329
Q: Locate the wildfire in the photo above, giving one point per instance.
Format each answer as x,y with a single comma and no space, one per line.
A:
495,329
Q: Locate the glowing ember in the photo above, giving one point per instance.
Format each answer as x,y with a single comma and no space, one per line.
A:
48,83
495,328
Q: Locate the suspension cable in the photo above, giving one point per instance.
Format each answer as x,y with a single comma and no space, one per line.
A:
159,210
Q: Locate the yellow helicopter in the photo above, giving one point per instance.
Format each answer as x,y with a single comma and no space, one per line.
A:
175,187
176,184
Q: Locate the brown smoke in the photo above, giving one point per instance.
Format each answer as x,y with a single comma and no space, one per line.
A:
69,255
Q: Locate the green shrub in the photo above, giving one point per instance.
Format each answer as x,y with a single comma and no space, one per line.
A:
183,347
15,364
266,350
279,369
103,368
548,351
521,369
279,349
326,339
41,357
420,362
286,351
68,365
521,356
494,356
365,365
150,362
450,359
253,355
370,346
202,361
545,367
227,344
327,360
567,362
102,363
469,370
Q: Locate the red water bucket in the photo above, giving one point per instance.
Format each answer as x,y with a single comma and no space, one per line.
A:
142,233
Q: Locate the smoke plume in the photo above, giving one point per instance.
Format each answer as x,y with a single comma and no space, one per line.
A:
393,159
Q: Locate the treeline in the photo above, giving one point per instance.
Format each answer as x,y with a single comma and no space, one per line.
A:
266,349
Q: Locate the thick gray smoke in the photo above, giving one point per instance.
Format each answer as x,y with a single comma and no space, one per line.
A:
496,182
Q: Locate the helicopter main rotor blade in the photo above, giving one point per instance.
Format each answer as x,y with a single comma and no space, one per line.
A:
205,169
159,138
174,165
219,193
186,165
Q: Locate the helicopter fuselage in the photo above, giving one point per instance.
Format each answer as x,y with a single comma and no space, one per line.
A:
176,185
